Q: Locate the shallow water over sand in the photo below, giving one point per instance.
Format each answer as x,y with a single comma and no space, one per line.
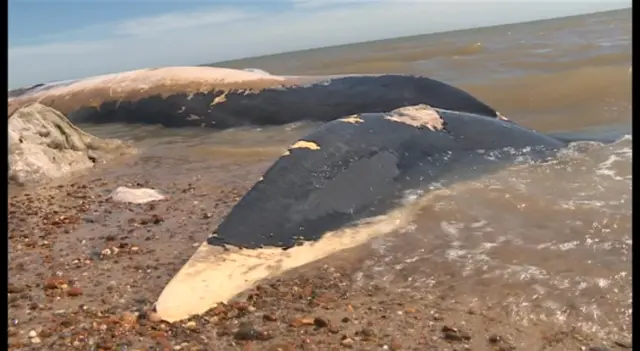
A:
545,242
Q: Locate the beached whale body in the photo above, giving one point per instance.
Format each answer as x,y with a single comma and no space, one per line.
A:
385,135
347,170
361,165
222,98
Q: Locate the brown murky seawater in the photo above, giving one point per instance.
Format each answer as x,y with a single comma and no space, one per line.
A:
546,242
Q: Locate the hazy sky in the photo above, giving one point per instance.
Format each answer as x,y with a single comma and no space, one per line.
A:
66,39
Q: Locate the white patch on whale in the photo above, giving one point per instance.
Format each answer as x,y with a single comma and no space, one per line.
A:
213,275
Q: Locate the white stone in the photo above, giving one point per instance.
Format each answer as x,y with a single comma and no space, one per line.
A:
136,196
44,144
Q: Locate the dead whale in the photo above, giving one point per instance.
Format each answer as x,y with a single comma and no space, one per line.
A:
384,135
221,98
346,171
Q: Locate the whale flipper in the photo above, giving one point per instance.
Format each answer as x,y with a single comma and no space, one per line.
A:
358,166
348,169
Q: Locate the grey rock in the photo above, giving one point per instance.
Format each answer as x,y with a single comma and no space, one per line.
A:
45,145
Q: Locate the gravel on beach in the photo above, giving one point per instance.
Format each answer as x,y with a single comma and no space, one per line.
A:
84,272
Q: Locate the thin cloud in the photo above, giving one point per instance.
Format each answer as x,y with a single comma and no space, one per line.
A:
180,21
314,4
223,33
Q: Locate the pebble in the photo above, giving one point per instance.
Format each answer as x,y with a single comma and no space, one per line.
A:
33,334
395,346
624,344
153,317
55,283
453,334
300,321
269,317
136,196
14,289
75,291
35,340
500,343
129,318
181,346
320,322
367,332
247,332
598,348
347,342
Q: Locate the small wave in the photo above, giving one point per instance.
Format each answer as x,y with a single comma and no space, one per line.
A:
607,167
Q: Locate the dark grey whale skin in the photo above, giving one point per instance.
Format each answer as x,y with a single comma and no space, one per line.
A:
322,101
362,170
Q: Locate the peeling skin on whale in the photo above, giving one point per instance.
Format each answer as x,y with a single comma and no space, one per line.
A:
354,119
219,99
166,81
215,274
419,116
501,116
302,144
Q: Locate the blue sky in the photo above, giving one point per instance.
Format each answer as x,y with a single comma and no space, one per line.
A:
67,39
